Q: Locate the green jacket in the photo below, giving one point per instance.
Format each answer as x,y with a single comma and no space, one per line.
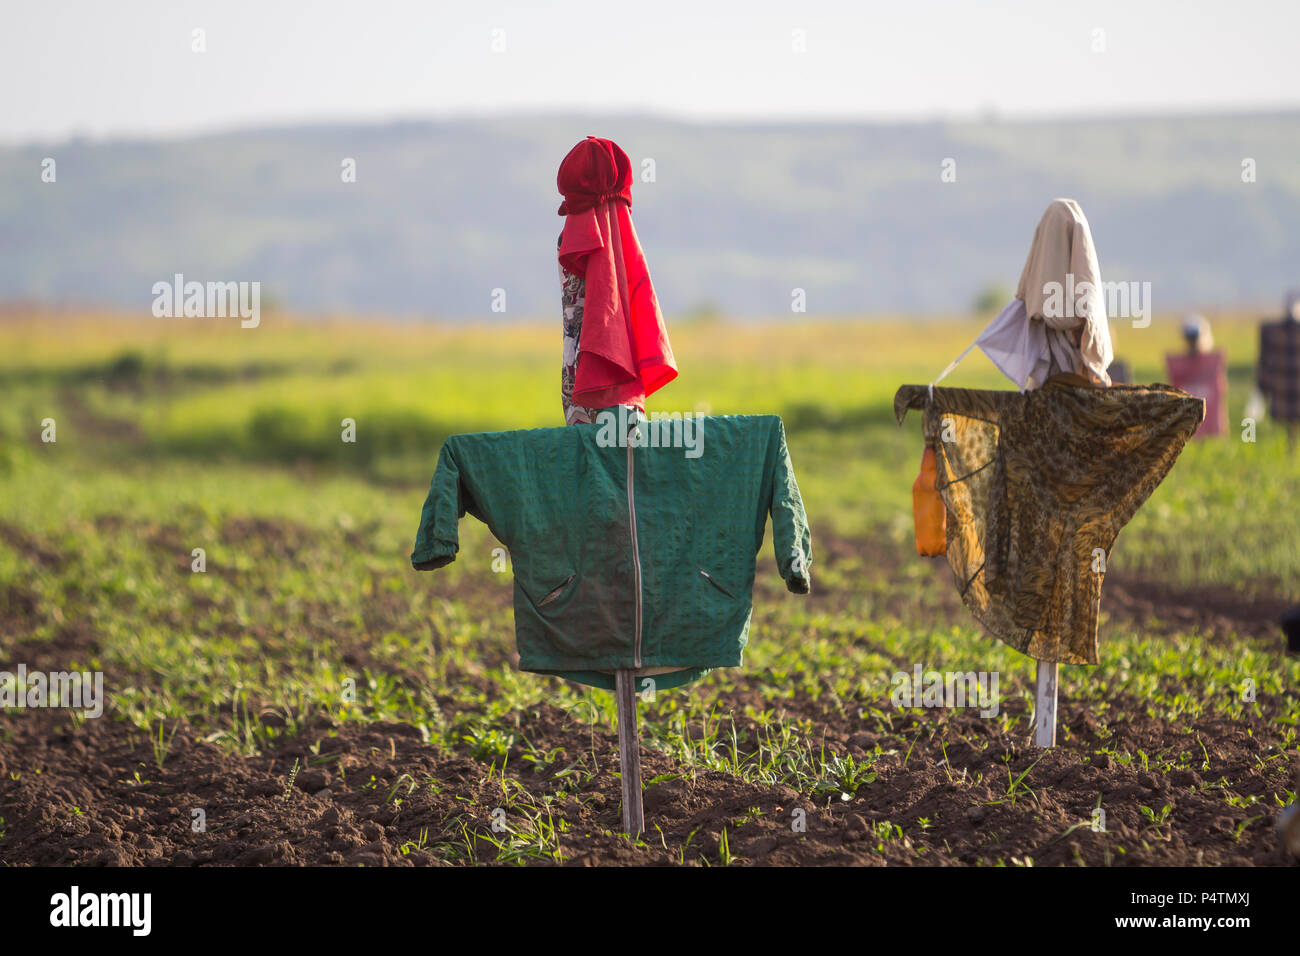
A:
627,553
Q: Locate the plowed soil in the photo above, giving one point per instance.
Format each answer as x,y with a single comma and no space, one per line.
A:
94,794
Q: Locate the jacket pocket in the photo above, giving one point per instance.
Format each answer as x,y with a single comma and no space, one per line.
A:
554,593
714,581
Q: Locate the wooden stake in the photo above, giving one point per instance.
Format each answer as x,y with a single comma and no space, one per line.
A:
1045,705
629,752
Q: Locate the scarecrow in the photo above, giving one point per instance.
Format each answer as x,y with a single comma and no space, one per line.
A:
1277,376
633,542
1034,486
1202,370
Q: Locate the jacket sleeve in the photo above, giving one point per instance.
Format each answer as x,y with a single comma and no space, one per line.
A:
436,541
791,539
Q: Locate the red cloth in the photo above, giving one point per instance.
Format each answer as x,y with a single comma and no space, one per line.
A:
1204,375
623,350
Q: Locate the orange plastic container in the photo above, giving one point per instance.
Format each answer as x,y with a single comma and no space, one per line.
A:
928,511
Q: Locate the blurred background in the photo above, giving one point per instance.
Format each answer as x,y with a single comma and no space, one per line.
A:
777,145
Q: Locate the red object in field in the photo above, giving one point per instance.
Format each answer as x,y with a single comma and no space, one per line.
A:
928,511
623,351
1204,375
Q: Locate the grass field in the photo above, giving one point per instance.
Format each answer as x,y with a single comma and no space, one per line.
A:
321,702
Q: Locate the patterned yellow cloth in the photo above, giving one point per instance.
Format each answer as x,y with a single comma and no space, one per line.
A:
1037,486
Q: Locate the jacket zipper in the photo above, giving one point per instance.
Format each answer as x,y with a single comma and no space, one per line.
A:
636,555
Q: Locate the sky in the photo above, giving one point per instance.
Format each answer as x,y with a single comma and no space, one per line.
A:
130,68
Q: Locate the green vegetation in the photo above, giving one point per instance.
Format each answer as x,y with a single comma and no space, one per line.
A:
176,436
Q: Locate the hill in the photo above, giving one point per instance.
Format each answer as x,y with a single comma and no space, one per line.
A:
444,212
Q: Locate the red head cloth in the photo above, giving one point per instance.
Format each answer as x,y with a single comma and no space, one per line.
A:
623,350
